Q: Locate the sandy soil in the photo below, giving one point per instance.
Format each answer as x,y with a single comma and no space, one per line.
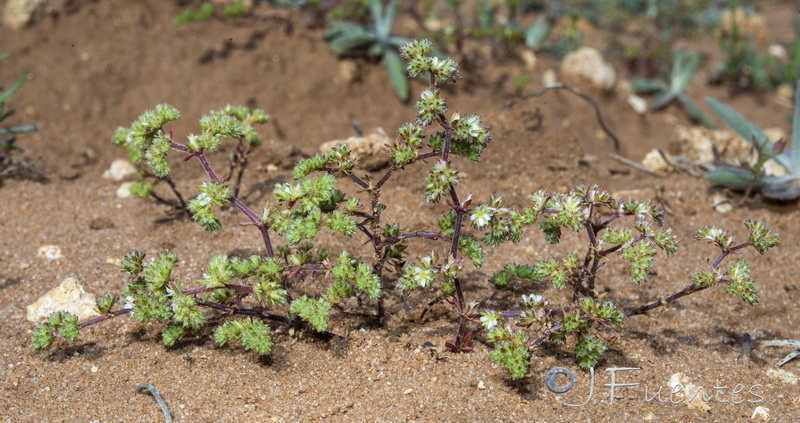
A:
97,65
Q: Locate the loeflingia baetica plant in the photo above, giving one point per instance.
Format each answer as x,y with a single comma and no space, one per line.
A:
156,170
243,299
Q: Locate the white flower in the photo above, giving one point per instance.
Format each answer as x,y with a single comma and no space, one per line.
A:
489,319
427,94
421,275
203,199
437,63
481,215
572,203
475,127
128,304
642,209
531,299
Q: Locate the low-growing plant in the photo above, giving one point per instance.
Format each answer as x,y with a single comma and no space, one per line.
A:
297,212
743,64
785,71
206,11
157,171
375,40
751,177
7,145
684,67
580,321
238,297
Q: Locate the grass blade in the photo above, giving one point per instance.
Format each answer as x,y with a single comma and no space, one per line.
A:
6,95
397,73
745,128
795,147
695,112
17,129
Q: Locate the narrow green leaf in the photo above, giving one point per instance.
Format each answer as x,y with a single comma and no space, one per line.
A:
663,99
646,86
695,112
537,34
18,129
388,19
397,73
6,95
683,70
744,128
795,147
731,177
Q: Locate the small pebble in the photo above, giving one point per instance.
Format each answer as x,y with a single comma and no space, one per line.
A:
50,252
638,104
721,203
760,413
124,190
119,170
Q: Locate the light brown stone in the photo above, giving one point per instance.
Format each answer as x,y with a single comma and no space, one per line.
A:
68,296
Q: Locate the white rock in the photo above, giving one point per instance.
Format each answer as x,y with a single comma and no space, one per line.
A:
19,13
348,71
529,57
775,134
369,150
50,252
692,394
695,143
655,162
760,413
69,296
587,63
777,51
119,170
638,104
721,203
786,92
124,190
783,376
549,77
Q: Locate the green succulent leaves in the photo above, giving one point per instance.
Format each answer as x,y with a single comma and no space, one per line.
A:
586,208
761,238
511,352
374,40
62,324
211,194
439,181
253,334
145,138
300,209
417,53
350,273
753,177
314,311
